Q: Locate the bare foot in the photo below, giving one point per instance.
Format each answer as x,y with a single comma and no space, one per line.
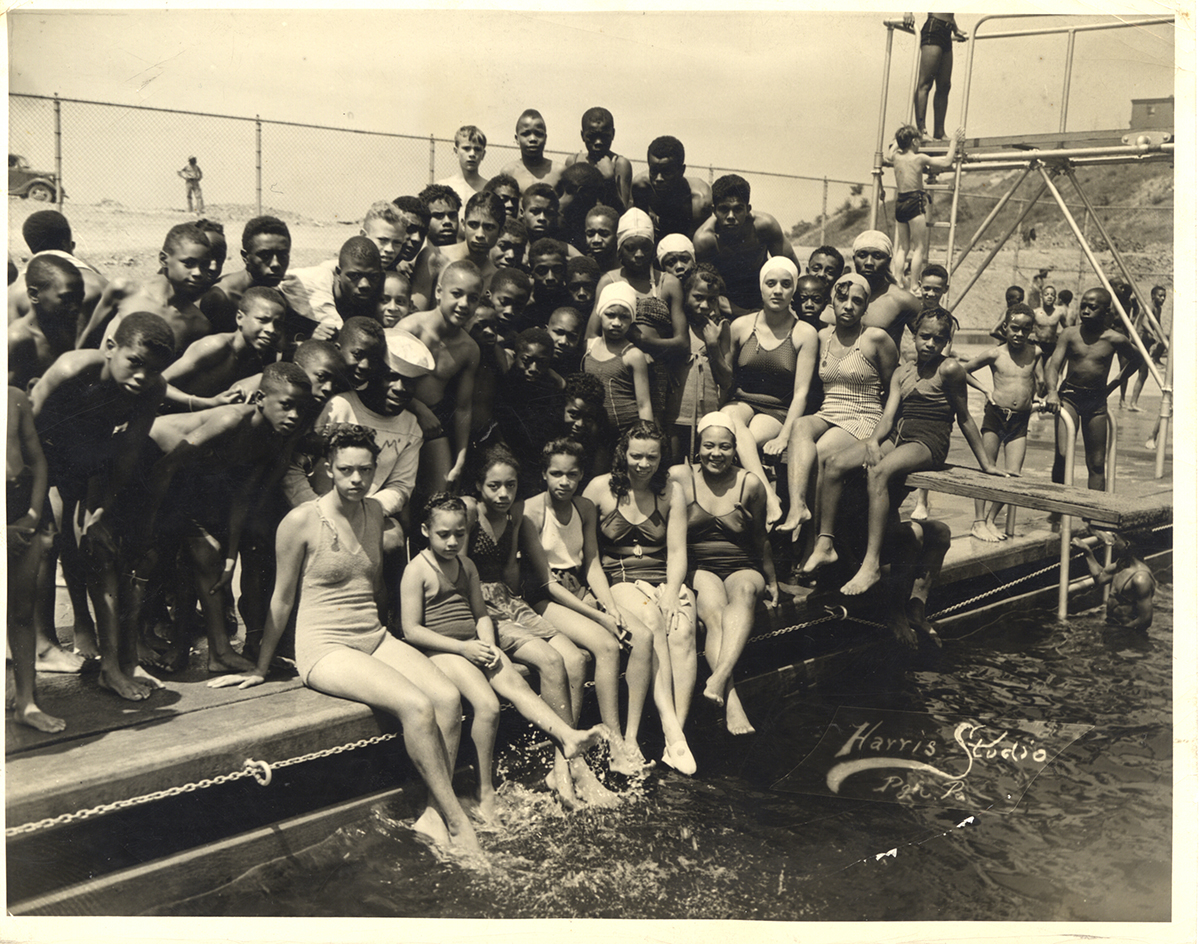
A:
34,717
622,760
1134,409
563,787
85,642
1000,535
487,807
774,508
140,673
1151,444
588,788
228,662
915,612
735,715
679,757
861,582
57,659
431,825
577,742
819,557
920,512
796,517
121,684
980,531
903,631
464,841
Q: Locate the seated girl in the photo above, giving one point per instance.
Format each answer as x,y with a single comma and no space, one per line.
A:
329,555
925,396
856,365
443,613
772,359
643,547
731,567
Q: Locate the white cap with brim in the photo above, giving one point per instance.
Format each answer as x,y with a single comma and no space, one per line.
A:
407,355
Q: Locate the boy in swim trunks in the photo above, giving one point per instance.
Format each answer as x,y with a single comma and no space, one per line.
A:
1087,349
598,130
1016,375
35,341
912,202
266,251
1132,585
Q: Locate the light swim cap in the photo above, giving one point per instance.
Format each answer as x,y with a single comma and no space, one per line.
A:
675,242
715,419
617,293
853,278
632,223
774,264
873,239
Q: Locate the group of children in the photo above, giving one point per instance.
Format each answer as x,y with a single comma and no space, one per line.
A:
600,364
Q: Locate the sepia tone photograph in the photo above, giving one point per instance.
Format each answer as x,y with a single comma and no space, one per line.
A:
578,465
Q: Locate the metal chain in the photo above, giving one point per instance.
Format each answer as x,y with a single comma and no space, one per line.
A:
835,613
260,770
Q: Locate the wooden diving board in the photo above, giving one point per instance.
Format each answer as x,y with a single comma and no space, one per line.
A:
1117,512
1049,141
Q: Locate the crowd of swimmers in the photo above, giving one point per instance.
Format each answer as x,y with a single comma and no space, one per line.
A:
535,419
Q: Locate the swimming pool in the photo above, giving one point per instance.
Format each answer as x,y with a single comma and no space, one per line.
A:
1090,839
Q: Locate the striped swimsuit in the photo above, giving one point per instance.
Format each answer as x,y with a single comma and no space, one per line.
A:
853,392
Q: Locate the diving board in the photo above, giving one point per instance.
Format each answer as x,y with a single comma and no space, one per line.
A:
1066,140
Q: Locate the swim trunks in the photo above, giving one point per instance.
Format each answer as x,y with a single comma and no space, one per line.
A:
1085,401
937,32
1007,424
910,205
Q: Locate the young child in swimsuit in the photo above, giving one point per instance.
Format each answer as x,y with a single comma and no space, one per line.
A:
444,614
1016,375
620,366
855,365
912,435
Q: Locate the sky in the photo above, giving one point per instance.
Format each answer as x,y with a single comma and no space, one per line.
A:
782,90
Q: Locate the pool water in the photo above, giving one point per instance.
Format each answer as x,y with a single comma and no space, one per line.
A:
1090,839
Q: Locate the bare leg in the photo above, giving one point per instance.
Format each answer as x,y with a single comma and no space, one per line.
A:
941,95
802,454
208,564
509,684
901,254
640,667
1095,445
742,590
747,450
836,468
931,60
22,639
919,227
605,650
681,645
554,686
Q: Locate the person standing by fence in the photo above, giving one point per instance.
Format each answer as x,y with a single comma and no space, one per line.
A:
192,175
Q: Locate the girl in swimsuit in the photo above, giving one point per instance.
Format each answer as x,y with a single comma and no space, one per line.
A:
495,527
772,359
443,612
329,552
643,547
912,435
617,364
856,366
730,556
578,599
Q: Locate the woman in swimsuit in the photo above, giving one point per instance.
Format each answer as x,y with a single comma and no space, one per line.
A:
772,357
730,557
856,366
328,560
937,62
643,547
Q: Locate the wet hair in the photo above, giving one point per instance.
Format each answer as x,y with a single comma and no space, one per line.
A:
530,113
361,251
494,455
310,351
563,446
264,226
415,206
509,276
1020,308
1066,296
540,189
443,501
705,273
149,330
731,185
595,116
936,270
586,387
487,201
282,374
830,251
350,436
460,265
47,229
44,269
362,327
547,246
534,336
435,192
514,226
261,293
906,135
609,213
502,180
182,233
933,314
1017,289
666,147
618,482
383,210
470,133
584,264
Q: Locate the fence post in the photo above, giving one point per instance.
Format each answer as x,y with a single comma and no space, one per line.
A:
58,150
258,165
432,155
710,176
824,206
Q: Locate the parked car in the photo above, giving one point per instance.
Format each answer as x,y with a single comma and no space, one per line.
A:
24,181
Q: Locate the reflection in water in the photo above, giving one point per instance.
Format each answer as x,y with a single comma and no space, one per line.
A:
1090,840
